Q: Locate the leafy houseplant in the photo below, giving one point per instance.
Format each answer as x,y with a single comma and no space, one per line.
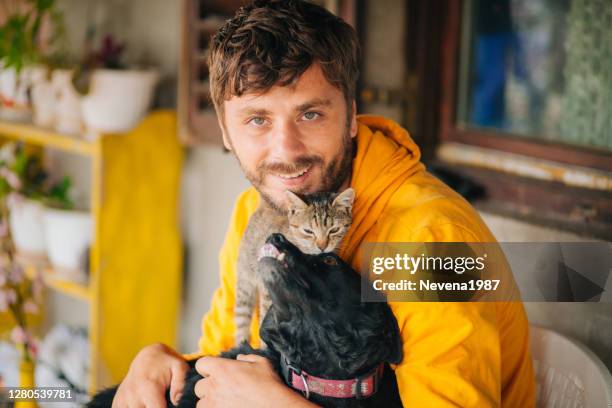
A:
19,33
32,190
115,98
20,48
41,211
107,57
54,101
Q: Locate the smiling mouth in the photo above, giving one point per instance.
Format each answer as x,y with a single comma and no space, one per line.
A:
295,175
270,251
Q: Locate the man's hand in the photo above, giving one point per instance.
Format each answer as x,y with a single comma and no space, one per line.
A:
154,368
249,381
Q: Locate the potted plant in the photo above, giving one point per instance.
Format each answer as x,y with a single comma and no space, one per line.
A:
22,180
19,50
43,222
115,98
68,233
19,295
55,101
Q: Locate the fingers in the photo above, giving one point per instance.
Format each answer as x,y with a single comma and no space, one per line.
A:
122,400
251,358
207,365
154,401
177,381
154,369
200,388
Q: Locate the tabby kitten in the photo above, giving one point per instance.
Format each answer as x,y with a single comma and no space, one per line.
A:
314,223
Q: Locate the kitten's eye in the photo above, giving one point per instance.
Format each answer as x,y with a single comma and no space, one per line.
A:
330,260
334,230
307,231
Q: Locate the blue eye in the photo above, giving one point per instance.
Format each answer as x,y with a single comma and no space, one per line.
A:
311,115
258,121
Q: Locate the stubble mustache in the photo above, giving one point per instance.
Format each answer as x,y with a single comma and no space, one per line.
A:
276,168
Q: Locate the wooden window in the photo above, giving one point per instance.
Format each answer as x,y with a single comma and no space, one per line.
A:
526,93
197,118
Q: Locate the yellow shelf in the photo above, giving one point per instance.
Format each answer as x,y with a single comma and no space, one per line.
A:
58,284
130,268
46,137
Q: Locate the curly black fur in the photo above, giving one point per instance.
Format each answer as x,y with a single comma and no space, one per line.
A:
318,322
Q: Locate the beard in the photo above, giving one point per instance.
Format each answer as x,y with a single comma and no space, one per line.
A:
333,175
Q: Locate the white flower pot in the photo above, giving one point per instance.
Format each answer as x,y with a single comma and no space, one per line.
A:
44,99
68,234
14,95
69,118
117,99
28,229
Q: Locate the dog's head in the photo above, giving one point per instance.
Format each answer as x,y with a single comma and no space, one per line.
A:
317,319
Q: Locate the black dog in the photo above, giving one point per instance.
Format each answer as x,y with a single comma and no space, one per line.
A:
321,338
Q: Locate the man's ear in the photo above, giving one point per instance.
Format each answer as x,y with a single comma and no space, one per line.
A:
226,141
354,126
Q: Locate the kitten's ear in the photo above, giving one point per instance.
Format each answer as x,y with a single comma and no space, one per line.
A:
295,202
345,198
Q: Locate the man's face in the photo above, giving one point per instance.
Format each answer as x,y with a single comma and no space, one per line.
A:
296,137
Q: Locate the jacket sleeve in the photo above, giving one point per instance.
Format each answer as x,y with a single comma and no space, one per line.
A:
218,325
451,350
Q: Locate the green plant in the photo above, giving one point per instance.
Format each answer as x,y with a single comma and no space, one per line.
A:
22,174
58,195
107,56
19,35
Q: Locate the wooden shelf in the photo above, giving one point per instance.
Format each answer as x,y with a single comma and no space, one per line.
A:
57,283
46,137
117,262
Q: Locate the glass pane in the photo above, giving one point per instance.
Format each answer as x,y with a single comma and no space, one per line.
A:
540,69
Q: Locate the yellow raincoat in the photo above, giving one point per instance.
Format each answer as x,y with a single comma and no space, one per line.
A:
455,354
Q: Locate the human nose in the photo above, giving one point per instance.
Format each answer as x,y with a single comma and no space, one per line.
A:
287,141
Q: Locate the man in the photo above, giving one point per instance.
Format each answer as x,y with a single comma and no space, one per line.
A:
283,77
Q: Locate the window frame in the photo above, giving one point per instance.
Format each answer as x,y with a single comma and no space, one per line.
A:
584,211
451,131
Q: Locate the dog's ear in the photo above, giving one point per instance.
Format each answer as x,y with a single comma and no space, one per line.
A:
396,349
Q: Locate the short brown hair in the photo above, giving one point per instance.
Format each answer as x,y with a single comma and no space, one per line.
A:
273,42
